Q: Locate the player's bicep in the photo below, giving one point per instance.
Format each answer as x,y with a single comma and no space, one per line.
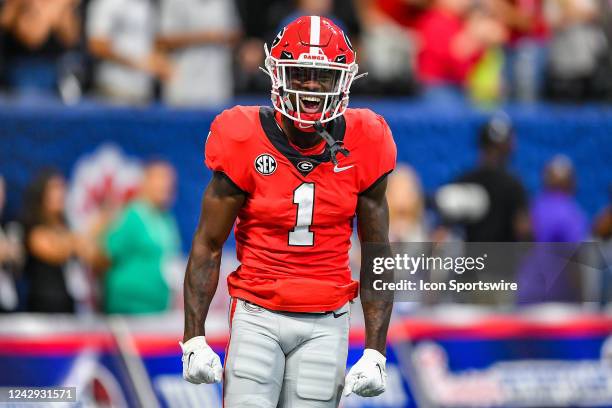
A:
220,206
373,213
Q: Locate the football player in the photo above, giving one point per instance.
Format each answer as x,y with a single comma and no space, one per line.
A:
292,178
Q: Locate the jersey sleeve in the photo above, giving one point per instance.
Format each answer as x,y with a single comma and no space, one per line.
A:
223,152
381,158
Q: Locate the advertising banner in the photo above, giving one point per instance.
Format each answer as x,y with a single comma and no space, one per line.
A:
37,351
442,357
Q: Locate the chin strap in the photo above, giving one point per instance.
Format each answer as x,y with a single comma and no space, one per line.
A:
335,146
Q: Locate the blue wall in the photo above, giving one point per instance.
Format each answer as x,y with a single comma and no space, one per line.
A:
438,142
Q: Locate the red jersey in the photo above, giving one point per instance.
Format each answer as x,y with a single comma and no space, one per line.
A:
293,232
436,61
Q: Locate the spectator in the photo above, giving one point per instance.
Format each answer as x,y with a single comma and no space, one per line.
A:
602,227
260,20
504,213
38,36
602,231
122,36
577,51
388,43
547,273
199,36
453,37
50,245
10,260
407,228
555,214
406,206
140,244
526,51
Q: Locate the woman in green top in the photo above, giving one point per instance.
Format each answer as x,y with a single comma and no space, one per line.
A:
140,244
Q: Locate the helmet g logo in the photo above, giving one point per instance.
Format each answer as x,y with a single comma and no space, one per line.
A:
265,164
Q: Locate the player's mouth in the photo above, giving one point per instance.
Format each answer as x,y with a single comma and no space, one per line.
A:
311,104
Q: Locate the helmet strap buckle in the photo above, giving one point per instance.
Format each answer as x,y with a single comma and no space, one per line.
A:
335,146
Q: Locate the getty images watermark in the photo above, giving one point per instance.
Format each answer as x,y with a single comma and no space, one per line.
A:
413,264
481,272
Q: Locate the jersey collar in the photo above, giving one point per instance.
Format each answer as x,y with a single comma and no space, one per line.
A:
336,128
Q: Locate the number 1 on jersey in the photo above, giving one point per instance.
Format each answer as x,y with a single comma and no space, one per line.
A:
303,197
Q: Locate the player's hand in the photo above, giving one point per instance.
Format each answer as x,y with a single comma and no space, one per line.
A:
368,377
201,365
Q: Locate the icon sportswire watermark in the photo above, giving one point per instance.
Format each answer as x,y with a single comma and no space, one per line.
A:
469,272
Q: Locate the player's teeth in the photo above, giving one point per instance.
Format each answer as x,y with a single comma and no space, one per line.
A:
311,98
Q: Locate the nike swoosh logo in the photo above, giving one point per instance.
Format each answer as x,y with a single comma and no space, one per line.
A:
339,169
339,314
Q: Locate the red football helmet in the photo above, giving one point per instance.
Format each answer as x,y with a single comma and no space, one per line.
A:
312,65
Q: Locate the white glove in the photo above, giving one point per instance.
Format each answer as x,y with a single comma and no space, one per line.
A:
368,377
200,363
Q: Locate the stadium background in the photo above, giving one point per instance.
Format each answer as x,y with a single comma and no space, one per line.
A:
440,355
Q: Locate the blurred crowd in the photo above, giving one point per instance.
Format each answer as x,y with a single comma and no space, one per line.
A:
119,264
127,258
561,255
204,52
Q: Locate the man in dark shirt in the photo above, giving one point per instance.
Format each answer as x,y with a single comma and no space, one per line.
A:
506,217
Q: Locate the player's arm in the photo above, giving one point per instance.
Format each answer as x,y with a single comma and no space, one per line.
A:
373,227
368,377
220,205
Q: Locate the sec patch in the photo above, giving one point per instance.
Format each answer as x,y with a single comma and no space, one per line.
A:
265,164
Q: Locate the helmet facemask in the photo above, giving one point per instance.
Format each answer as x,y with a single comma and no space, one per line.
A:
309,90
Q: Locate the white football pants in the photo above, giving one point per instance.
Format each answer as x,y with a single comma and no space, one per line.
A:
285,360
